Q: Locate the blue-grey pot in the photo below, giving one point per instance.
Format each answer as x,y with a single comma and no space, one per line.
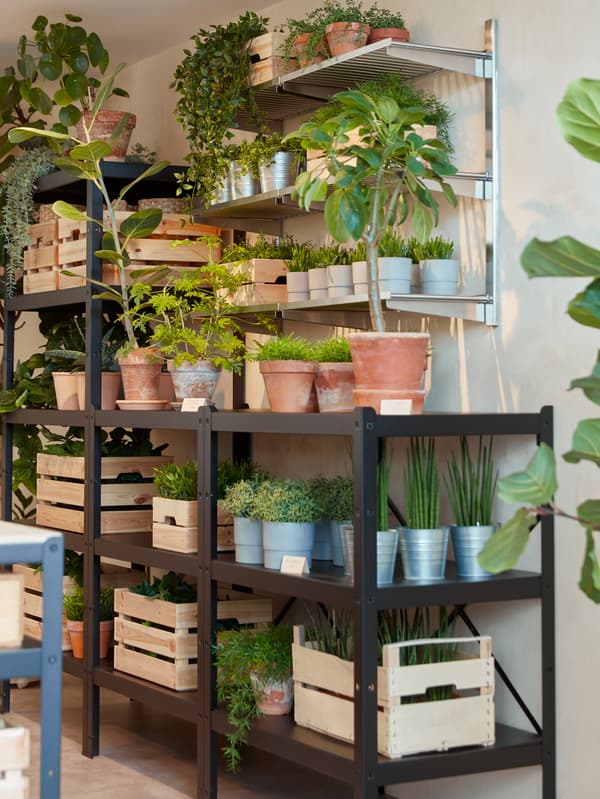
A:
468,543
423,553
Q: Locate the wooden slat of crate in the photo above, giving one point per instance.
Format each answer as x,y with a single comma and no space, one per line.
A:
11,610
170,227
324,691
153,639
263,71
260,270
246,610
175,524
179,616
260,294
113,494
267,45
174,538
225,540
178,675
111,467
111,521
33,603
40,258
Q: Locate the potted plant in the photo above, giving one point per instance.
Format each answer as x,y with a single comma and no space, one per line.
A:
243,171
229,472
73,605
334,378
276,160
213,87
423,543
239,502
346,26
254,669
339,501
471,486
382,185
288,370
175,509
394,263
303,257
306,39
385,24
439,270
288,511
359,268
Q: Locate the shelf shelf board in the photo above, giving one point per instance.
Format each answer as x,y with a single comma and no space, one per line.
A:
47,299
46,416
137,548
259,421
157,420
182,704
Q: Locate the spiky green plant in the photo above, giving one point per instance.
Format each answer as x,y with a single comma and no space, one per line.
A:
393,245
332,350
436,247
384,467
421,485
177,482
471,484
285,348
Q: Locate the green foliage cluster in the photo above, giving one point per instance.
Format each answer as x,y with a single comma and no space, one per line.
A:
113,339
302,258
213,87
240,498
331,254
106,603
177,482
265,652
73,566
378,18
315,22
140,154
286,501
393,245
170,588
116,442
284,348
384,469
230,472
331,350
339,499
250,155
437,247
421,485
471,484
73,604
262,248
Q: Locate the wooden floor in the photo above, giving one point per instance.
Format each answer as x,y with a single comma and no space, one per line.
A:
152,755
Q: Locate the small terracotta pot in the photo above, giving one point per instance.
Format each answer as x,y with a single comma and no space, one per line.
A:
397,34
104,127
343,37
273,697
298,51
334,383
111,385
371,398
389,360
106,638
75,629
290,385
65,388
140,372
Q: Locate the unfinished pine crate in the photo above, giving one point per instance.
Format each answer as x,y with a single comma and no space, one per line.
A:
11,610
14,759
225,541
157,640
40,258
126,507
264,281
154,251
33,608
175,526
267,60
324,697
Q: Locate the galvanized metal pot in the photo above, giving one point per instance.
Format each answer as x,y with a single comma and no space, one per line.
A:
468,543
423,553
387,548
279,174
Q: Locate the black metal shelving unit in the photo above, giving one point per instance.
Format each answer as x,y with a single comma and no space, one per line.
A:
359,765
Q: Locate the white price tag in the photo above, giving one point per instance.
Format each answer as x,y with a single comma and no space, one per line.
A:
294,564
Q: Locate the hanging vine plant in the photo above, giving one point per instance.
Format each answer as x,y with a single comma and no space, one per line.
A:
212,81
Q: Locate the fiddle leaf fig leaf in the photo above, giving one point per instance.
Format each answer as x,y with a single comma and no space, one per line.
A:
536,484
590,569
67,211
19,135
590,385
589,512
504,548
141,223
584,308
564,257
579,117
586,442
93,151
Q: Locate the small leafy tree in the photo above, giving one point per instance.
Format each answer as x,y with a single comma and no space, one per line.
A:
534,487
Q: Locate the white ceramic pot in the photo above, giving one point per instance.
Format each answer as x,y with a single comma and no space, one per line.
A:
317,281
359,277
395,274
439,275
287,538
339,280
322,549
247,536
297,286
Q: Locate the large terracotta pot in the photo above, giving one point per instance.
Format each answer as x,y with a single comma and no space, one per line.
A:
334,383
140,372
197,380
389,360
343,37
104,126
397,34
289,385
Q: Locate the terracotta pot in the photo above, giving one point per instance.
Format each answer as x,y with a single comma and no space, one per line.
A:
140,372
165,387
334,383
111,385
273,697
106,638
289,385
75,629
343,37
65,387
397,34
196,380
389,360
371,398
298,51
104,127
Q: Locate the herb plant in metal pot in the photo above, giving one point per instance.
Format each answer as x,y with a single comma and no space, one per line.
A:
423,543
339,510
288,370
471,486
378,182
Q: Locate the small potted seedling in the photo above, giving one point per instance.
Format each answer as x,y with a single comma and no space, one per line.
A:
439,270
334,379
289,373
74,606
175,509
303,258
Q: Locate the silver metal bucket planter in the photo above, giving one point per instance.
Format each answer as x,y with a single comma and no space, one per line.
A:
468,543
423,553
242,184
337,552
280,174
247,535
287,538
322,549
387,548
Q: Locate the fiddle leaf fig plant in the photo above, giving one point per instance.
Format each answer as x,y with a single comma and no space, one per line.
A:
375,183
534,487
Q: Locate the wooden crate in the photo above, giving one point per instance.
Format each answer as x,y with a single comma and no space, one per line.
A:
11,610
175,526
126,506
157,640
40,258
14,759
265,281
225,541
154,251
324,691
33,611
267,59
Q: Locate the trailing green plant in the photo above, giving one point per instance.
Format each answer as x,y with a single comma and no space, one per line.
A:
471,484
265,146
437,247
106,603
140,154
378,18
213,87
378,182
302,258
286,501
284,348
421,485
177,482
393,245
231,471
331,350
73,604
384,468
313,22
267,653
240,498
170,588
534,487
